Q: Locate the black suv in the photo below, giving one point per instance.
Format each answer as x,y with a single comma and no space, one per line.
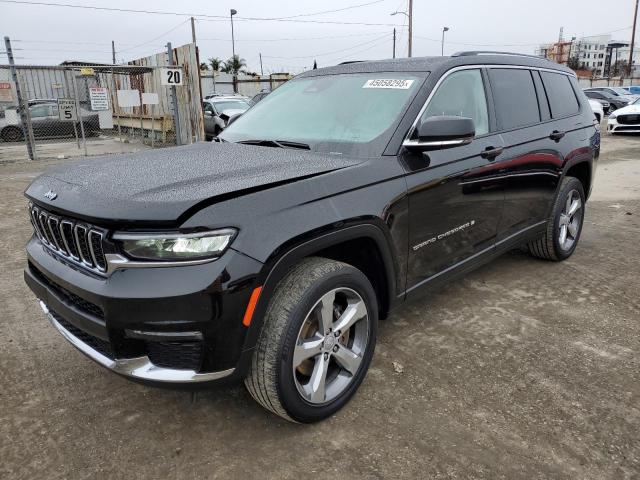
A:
270,254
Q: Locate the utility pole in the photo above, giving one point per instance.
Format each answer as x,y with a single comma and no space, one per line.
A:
394,43
113,52
444,29
232,12
174,99
22,106
410,26
193,30
261,71
633,40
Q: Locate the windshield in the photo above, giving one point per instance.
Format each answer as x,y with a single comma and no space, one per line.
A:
231,104
351,114
620,90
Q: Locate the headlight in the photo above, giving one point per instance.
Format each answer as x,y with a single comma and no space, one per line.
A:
175,246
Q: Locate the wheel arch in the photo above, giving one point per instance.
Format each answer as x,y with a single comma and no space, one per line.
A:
364,245
582,171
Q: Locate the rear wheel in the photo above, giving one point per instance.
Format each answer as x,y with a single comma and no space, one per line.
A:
316,343
565,225
12,134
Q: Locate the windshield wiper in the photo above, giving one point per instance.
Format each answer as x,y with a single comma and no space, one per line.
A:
276,143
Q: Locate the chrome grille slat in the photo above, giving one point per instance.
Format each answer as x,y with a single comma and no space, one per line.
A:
67,238
81,243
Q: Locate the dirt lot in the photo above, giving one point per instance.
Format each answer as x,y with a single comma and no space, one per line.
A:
525,369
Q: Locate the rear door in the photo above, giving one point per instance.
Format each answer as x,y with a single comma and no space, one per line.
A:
454,205
531,162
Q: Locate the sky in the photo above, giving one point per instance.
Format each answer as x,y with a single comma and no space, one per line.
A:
48,35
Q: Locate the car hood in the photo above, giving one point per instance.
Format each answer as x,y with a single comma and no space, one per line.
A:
229,112
629,109
161,185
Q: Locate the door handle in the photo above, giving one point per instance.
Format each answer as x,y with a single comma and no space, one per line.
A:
556,135
490,153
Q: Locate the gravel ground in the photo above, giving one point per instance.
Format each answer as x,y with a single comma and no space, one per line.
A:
524,369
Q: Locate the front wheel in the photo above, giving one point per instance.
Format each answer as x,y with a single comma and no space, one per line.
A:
565,225
316,343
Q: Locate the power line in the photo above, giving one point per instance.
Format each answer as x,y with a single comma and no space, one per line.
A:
328,11
155,38
202,16
310,55
293,39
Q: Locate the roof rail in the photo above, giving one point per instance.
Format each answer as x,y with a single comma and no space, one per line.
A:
491,52
351,61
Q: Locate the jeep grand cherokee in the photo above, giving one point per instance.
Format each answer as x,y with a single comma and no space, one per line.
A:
270,254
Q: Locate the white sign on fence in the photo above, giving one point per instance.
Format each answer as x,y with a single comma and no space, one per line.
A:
67,110
128,98
99,98
5,92
150,99
171,76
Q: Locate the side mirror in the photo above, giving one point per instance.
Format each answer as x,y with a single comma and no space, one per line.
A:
233,118
441,132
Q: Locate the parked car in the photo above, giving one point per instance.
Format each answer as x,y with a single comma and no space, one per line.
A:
604,104
626,119
218,111
259,96
615,102
598,111
270,254
616,92
45,122
633,89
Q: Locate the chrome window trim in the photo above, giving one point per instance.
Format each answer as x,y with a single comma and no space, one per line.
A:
472,67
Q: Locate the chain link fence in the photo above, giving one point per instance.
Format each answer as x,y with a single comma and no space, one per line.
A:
74,109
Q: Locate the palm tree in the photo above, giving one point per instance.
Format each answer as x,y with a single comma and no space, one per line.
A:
234,65
204,66
215,63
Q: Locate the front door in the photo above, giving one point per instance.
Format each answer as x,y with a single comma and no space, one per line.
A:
454,202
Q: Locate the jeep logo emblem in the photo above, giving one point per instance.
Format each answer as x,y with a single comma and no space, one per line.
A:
51,195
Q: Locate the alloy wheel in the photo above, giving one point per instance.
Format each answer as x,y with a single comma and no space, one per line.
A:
570,220
330,346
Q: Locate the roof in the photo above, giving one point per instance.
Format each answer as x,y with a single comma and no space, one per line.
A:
430,64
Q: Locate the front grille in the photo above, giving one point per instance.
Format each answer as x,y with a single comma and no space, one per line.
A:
628,119
96,343
78,242
68,297
178,355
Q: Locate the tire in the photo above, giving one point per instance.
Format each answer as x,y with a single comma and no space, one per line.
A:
550,246
12,134
277,379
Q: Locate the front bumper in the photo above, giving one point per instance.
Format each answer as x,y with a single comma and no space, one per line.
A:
613,126
140,368
166,326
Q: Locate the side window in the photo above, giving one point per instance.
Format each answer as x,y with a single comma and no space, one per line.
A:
461,94
562,98
39,111
514,97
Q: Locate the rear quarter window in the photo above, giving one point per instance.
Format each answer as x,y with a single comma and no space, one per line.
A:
514,97
562,98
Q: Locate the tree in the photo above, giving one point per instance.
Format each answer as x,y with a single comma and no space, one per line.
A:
573,63
215,63
619,68
315,64
234,65
204,66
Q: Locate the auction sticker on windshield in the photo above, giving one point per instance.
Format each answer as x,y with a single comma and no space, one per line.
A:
388,83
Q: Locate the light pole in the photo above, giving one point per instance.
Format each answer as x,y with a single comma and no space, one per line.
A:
233,51
410,17
445,29
233,42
